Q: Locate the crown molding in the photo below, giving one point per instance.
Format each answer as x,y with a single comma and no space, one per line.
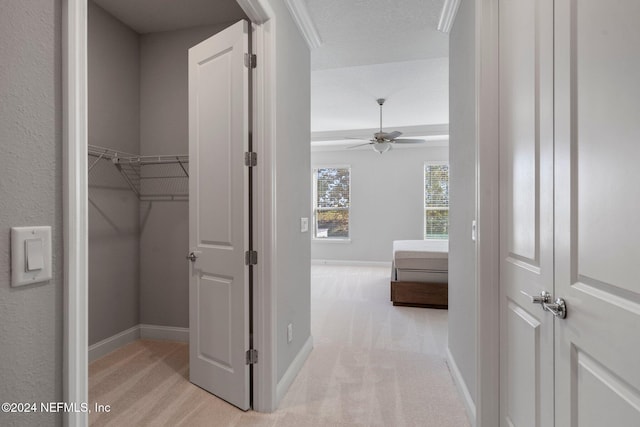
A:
448,15
301,17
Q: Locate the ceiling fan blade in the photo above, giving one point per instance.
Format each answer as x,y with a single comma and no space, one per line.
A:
409,141
360,145
393,135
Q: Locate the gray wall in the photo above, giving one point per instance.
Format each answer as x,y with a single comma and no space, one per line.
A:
387,194
164,129
292,184
30,194
462,134
114,122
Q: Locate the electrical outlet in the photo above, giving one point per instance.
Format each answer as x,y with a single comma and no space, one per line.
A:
304,225
289,332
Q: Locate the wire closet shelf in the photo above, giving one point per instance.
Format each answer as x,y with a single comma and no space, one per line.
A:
151,178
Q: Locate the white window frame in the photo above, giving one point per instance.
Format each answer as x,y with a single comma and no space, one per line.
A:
424,208
314,208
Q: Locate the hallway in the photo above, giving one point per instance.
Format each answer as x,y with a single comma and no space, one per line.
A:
372,365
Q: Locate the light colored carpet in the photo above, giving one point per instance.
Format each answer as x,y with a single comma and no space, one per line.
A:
372,365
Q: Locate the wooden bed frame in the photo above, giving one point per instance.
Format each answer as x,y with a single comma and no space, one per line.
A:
420,294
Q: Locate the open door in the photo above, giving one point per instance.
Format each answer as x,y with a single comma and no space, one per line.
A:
219,215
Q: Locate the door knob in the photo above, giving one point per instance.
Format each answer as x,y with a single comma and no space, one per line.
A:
192,257
558,308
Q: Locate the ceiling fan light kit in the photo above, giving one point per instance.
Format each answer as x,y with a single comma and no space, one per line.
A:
381,147
382,141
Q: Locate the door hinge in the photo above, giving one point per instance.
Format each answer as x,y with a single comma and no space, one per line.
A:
251,258
250,60
252,356
250,158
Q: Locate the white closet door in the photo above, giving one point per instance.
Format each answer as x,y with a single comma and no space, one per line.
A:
597,206
526,216
219,215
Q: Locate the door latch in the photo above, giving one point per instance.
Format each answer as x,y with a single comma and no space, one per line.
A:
193,256
558,308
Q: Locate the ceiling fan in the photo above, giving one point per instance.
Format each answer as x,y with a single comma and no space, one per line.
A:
381,141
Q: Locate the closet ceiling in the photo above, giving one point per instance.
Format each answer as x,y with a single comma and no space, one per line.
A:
151,16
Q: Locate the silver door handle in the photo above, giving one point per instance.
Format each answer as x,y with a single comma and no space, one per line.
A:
192,257
558,308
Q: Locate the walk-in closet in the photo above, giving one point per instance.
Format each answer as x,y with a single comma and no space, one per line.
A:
138,165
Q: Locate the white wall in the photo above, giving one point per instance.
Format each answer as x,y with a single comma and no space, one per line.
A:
114,122
462,256
292,183
387,200
164,129
31,194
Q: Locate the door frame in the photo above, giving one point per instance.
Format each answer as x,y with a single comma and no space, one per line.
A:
487,400
75,374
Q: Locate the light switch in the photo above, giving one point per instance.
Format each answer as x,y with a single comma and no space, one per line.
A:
35,255
30,255
304,225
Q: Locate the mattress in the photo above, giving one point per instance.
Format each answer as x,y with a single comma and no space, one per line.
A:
430,255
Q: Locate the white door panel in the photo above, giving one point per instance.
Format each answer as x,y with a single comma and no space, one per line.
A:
597,200
219,215
526,198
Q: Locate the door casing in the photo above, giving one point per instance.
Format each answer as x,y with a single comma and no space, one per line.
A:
75,210
488,209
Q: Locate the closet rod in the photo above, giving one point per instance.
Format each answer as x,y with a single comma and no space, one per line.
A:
123,157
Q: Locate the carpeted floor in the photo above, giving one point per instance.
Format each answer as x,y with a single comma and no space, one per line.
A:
372,365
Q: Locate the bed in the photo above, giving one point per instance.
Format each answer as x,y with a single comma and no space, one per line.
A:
420,271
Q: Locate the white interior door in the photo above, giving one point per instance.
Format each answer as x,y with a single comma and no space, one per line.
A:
219,215
597,204
526,217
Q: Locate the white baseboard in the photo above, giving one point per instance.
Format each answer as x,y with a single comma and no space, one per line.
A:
469,404
292,371
107,345
150,332
354,263
168,333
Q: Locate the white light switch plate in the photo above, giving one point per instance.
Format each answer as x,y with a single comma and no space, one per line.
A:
30,255
304,225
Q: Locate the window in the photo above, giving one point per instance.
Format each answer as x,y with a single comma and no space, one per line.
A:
436,201
331,201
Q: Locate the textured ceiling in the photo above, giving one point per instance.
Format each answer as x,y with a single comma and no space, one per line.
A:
417,93
371,49
361,32
378,49
151,16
